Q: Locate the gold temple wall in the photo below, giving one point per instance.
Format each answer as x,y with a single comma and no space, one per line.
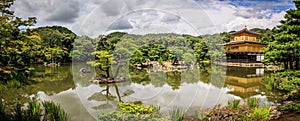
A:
245,48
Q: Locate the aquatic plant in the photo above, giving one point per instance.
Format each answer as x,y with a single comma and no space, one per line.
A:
54,111
2,111
201,115
14,83
233,104
19,114
33,112
252,102
176,114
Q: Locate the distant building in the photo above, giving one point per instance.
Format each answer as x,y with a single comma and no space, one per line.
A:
244,49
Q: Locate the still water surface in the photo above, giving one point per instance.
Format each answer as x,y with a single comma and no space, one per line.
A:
191,90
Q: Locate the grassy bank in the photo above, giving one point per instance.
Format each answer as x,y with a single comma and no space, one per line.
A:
34,111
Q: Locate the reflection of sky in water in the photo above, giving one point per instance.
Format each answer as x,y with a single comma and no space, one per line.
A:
191,90
86,101
188,96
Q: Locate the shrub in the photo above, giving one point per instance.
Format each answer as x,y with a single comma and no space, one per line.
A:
136,108
293,108
260,114
289,85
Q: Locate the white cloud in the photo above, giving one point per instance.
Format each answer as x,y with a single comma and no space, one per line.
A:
94,17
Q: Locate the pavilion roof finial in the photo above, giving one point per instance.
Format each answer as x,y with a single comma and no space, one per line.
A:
245,30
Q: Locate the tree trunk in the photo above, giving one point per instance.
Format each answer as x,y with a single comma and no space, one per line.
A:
291,65
297,64
286,65
52,59
107,70
118,93
116,72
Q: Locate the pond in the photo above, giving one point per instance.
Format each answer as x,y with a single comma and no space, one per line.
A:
191,90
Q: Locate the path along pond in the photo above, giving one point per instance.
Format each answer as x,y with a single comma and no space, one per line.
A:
191,90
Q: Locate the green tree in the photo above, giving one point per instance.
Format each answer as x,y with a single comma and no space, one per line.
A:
57,37
83,47
15,44
4,7
201,51
284,48
103,61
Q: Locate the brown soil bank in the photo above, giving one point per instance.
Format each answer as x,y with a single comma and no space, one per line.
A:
288,117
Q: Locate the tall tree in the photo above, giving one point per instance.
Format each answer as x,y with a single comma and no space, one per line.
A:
284,48
4,7
15,44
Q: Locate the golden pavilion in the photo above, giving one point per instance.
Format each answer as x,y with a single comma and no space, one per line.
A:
244,49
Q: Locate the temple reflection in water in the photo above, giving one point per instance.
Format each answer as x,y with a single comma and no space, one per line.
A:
243,81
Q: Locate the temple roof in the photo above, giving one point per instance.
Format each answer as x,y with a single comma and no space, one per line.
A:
243,42
245,30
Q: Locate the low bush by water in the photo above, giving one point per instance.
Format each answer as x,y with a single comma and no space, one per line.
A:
35,111
130,112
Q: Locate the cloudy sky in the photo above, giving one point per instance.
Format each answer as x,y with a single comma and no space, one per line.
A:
196,17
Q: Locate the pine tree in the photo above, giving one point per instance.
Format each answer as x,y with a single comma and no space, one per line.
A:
284,48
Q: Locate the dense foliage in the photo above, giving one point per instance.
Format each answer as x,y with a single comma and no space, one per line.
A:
57,43
17,47
284,44
21,46
126,49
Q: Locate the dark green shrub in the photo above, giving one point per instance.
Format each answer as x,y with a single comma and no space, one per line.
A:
292,108
290,85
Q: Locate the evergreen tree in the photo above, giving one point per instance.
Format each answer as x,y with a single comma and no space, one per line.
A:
284,48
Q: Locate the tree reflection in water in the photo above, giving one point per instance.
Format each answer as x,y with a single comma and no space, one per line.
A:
106,95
